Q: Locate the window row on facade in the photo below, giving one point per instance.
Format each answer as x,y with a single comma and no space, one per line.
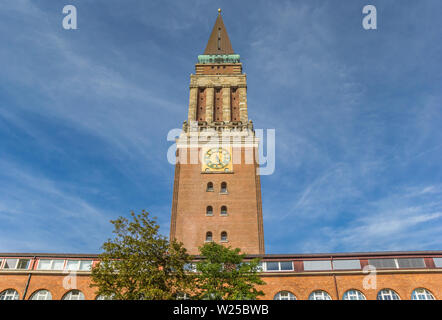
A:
46,264
223,211
349,264
353,294
223,187
265,266
43,294
223,236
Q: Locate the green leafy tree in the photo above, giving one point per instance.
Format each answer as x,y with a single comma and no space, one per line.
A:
140,264
223,274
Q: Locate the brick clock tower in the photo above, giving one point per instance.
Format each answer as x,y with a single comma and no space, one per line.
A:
217,190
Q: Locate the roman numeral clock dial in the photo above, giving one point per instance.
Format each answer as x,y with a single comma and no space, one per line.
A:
217,159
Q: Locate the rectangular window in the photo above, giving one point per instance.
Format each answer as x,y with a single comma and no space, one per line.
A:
47,264
190,267
10,263
16,264
286,265
272,266
79,265
383,263
72,265
57,264
317,265
276,266
85,265
411,263
438,262
44,265
346,264
23,264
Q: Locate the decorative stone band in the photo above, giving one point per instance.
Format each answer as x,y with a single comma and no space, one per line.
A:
204,126
218,58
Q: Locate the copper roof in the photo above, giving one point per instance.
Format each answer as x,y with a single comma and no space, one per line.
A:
219,42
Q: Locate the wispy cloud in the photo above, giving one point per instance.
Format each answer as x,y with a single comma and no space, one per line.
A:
36,209
84,116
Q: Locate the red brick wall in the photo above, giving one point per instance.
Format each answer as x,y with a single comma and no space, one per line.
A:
217,68
218,105
201,105
51,282
234,101
300,285
242,222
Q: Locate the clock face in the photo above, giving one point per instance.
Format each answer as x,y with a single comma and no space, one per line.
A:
217,158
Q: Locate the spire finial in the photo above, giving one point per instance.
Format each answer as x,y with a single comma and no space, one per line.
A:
219,42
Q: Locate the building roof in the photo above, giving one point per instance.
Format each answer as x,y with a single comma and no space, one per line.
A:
219,42
265,256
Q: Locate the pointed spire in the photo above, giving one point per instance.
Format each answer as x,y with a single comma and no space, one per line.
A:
219,42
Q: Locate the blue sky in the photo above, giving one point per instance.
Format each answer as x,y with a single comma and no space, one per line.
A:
84,116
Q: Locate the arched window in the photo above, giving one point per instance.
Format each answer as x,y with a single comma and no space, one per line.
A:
224,236
209,236
284,295
224,211
9,294
209,187
387,294
73,295
319,295
223,187
421,294
182,296
353,295
104,297
41,295
209,211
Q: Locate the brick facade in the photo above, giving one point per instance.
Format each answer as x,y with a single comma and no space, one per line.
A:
218,105
299,282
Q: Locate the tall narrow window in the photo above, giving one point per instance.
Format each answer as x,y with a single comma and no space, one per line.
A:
223,236
209,236
224,211
209,187
223,187
234,101
218,114
209,211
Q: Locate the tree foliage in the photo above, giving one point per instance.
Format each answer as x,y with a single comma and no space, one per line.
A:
139,263
223,274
